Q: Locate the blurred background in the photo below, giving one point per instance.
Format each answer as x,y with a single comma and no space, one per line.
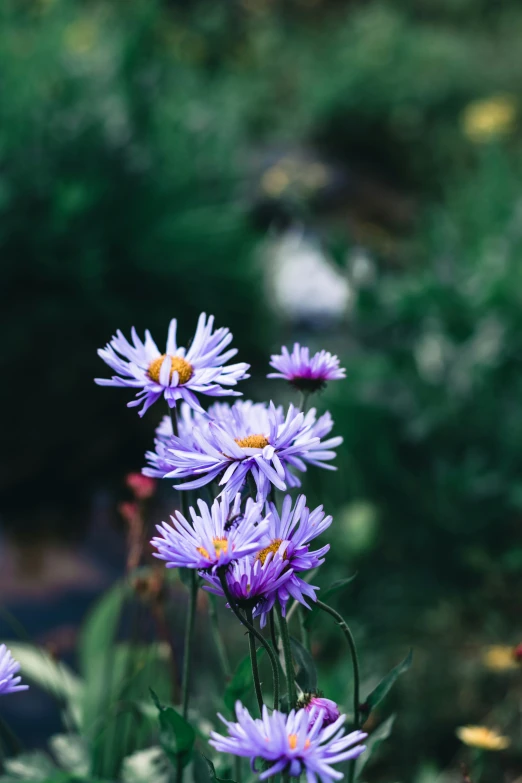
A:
343,173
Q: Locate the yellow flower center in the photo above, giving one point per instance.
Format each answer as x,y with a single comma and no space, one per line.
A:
482,737
177,364
220,547
272,547
252,442
292,741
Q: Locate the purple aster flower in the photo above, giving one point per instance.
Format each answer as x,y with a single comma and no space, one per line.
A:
252,583
305,373
290,535
8,668
289,743
313,703
176,374
218,536
251,438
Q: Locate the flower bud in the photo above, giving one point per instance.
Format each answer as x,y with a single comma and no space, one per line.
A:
331,711
142,487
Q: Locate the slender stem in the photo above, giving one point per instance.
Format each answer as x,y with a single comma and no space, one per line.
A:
273,637
287,651
356,676
253,660
189,637
174,419
304,396
353,651
218,638
253,630
237,769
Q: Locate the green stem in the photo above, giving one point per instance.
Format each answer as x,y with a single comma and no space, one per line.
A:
237,769
273,637
287,652
353,651
253,660
303,400
189,638
218,638
253,630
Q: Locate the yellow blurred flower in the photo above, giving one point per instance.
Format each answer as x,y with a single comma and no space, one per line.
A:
275,180
482,737
489,119
80,36
500,658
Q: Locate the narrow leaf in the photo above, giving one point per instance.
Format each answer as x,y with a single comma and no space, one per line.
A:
386,684
373,742
307,674
334,588
176,734
211,776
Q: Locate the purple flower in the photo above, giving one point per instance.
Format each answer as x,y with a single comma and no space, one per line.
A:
290,535
218,536
176,374
312,703
250,438
289,743
305,373
253,584
8,668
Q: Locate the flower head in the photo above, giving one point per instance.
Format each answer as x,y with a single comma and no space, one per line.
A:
249,438
313,704
305,373
176,374
219,535
482,737
8,668
290,535
289,743
501,658
253,584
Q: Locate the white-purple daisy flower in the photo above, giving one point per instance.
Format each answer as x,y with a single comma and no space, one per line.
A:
218,535
308,374
9,683
251,438
253,584
288,743
290,535
177,374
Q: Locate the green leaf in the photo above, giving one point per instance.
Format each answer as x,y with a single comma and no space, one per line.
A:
54,677
146,766
98,634
373,742
70,751
176,734
205,772
241,683
307,674
334,588
29,767
385,685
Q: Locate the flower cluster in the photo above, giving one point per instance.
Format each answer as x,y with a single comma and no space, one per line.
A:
248,544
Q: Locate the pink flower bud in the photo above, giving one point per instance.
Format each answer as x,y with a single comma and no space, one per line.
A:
143,487
331,710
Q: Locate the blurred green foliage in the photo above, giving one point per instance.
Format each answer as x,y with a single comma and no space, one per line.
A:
131,190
